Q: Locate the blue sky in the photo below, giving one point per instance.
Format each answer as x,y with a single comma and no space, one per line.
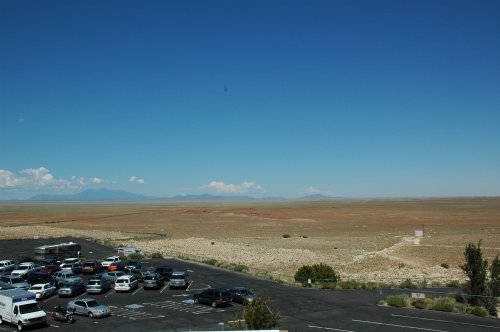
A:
262,98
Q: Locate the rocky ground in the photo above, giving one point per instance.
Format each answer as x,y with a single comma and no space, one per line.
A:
388,263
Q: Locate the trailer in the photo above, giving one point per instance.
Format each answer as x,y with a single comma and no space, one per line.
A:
20,308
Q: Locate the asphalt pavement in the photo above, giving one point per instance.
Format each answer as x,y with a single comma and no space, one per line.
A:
300,309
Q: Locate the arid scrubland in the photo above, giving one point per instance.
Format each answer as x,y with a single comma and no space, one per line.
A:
370,240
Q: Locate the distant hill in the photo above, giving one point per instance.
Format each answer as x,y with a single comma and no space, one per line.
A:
94,195
315,197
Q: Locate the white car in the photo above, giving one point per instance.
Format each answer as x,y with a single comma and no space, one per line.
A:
126,283
6,264
23,268
42,291
70,261
110,260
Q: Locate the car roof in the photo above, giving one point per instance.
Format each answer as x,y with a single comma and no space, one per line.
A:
86,299
41,285
178,273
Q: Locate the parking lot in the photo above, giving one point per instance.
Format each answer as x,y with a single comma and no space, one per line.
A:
301,309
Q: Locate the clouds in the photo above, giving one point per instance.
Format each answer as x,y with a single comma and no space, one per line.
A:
312,191
41,178
223,188
135,179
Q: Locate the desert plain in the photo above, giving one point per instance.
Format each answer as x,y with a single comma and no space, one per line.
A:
364,240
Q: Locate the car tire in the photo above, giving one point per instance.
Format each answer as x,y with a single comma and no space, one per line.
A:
196,300
90,314
214,304
20,326
1,321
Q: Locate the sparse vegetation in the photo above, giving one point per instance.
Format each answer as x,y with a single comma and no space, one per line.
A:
286,236
445,265
398,301
256,316
408,284
156,255
136,255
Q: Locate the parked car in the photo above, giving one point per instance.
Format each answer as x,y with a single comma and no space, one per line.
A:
241,295
63,276
165,271
5,264
15,281
70,289
70,260
5,286
40,278
117,266
139,274
179,280
112,259
89,307
23,268
126,283
75,267
98,285
42,291
91,267
7,270
132,264
213,296
153,280
50,268
49,261
112,276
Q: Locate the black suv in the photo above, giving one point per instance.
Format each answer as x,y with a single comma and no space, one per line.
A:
90,267
165,271
40,278
213,296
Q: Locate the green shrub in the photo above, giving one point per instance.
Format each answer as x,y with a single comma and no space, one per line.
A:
446,304
422,303
478,311
350,284
136,255
258,316
156,255
445,265
286,236
317,272
408,284
238,267
210,261
398,301
453,283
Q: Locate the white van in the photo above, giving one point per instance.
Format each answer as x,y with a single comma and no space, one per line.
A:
20,308
126,283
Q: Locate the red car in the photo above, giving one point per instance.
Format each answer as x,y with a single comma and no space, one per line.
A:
51,269
117,266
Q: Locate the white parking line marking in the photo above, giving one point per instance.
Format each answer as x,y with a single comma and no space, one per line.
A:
328,328
164,287
189,286
396,325
109,293
133,314
138,289
54,325
178,306
446,321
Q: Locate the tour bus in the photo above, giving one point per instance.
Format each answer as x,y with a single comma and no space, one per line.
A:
58,251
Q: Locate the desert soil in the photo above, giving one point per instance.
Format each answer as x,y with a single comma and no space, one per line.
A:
371,240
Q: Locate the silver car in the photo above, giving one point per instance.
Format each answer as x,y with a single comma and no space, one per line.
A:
89,307
112,276
15,281
179,280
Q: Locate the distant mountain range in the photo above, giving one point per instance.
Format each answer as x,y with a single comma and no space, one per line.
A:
121,195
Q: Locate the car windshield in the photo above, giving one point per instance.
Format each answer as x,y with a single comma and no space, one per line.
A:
94,282
150,278
121,281
92,304
70,275
28,308
178,277
36,287
16,280
23,267
89,264
109,260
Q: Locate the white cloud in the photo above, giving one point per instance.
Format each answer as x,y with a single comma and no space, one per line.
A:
96,180
135,179
223,188
311,191
36,178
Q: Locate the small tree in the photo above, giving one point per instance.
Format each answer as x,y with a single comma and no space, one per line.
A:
493,287
475,268
258,316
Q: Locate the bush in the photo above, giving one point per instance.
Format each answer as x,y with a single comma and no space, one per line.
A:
446,304
286,236
136,255
258,316
453,283
408,284
398,301
445,265
423,303
238,267
478,311
210,261
316,272
156,255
